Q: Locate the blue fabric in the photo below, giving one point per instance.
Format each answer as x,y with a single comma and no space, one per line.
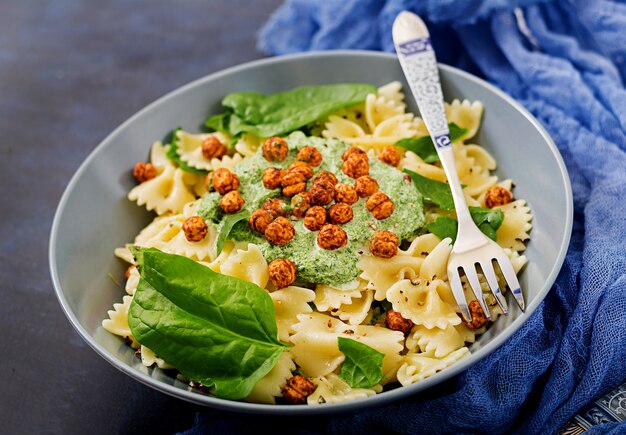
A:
567,67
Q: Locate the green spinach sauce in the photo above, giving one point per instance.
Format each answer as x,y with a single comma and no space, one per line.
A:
316,265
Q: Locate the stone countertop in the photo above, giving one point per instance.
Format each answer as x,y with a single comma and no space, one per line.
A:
70,72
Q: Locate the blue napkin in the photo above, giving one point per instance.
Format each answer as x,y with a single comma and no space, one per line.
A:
564,61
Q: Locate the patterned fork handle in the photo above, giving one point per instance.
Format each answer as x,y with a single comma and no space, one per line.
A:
419,64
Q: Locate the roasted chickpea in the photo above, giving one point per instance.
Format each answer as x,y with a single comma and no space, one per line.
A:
300,203
280,232
225,181
380,205
355,166
322,192
232,202
195,229
352,151
301,167
340,213
390,155
384,244
282,272
310,155
213,148
293,182
129,270
275,207
365,186
396,322
478,316
144,172
259,220
297,389
272,177
275,149
325,175
331,237
496,196
345,193
315,218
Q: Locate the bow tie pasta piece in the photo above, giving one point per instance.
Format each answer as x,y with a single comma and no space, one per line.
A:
166,233
149,358
438,342
167,192
466,115
351,306
473,175
328,298
332,389
435,264
392,91
289,303
132,282
269,387
382,122
117,323
244,261
382,273
190,151
316,351
341,128
416,367
247,144
378,109
419,301
516,225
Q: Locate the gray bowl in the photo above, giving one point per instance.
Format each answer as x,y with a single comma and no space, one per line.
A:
94,216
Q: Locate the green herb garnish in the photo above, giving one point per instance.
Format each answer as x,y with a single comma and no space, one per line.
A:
433,191
487,220
362,367
217,330
226,226
284,112
424,147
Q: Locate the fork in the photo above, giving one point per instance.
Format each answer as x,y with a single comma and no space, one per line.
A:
471,248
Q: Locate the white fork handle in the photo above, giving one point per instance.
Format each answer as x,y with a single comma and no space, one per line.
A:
419,64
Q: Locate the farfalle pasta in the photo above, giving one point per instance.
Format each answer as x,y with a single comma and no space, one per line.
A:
323,219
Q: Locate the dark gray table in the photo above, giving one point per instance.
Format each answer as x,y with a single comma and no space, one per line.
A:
70,72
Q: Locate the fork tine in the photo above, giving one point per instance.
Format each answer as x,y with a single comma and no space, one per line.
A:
472,277
490,276
459,295
511,279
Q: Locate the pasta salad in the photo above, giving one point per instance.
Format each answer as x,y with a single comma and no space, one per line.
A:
299,248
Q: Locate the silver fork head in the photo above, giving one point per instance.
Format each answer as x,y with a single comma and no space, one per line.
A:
484,256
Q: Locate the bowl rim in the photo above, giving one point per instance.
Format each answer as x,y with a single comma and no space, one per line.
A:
375,400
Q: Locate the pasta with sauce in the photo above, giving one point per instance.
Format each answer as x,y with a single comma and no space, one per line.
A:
370,271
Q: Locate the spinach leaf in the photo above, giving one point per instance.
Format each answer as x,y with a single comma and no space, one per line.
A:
491,216
487,220
172,154
363,366
433,191
218,122
443,227
226,226
281,113
217,330
424,147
